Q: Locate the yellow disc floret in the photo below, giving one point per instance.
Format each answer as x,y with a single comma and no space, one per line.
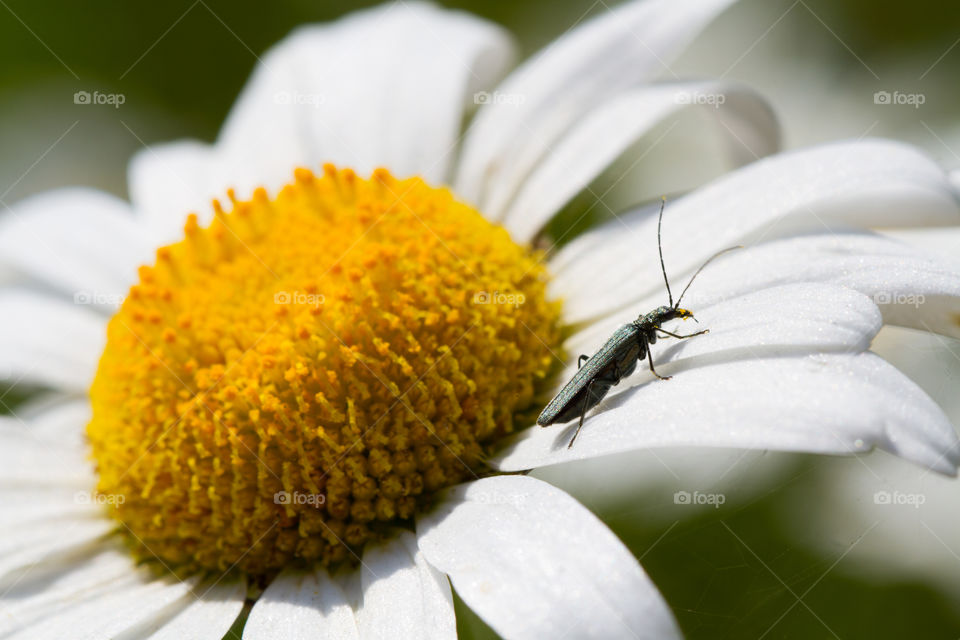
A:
300,376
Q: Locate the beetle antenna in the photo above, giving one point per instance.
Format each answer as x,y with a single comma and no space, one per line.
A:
663,201
709,260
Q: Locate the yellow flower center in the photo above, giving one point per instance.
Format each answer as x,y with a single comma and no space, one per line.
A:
299,377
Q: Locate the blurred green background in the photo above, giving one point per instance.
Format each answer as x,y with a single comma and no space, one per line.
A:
734,572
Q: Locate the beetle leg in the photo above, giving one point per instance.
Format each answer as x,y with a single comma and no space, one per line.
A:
586,400
580,360
674,335
654,371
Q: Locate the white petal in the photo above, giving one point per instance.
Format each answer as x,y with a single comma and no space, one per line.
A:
609,130
912,289
545,96
44,590
382,87
301,605
46,501
944,242
49,342
403,596
34,505
48,540
44,486
211,611
588,247
534,563
826,188
828,403
928,359
82,242
27,461
168,182
53,418
123,608
778,321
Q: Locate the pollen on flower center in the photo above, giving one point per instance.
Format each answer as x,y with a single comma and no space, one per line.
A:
299,377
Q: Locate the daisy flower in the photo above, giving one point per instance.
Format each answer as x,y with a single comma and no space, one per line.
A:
302,397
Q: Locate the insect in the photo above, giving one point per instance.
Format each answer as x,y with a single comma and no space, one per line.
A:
619,355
